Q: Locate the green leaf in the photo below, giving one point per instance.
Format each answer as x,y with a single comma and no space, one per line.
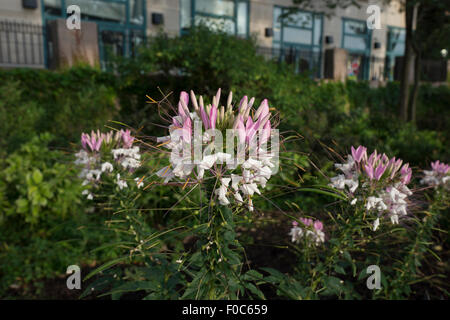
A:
132,287
331,194
339,269
22,205
334,284
252,275
106,266
275,273
37,176
347,256
253,289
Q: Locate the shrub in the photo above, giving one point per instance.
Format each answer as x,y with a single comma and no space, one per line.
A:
63,103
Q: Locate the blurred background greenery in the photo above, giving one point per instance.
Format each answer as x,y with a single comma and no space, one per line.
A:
44,224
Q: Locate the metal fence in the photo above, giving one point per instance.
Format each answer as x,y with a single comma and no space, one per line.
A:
21,45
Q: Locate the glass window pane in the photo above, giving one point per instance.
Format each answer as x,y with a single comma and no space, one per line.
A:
52,7
299,19
226,25
113,46
355,43
242,15
137,11
297,35
396,42
222,8
317,30
136,39
185,14
355,27
399,48
276,24
100,10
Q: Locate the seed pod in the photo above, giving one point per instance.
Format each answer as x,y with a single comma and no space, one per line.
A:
229,101
247,113
194,100
222,113
243,106
183,104
217,97
252,100
236,122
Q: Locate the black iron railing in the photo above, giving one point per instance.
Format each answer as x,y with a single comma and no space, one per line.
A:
21,45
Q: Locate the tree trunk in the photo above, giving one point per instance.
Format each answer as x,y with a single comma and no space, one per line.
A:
415,89
410,11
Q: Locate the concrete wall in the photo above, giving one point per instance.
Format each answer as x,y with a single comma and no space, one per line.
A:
12,10
73,46
171,11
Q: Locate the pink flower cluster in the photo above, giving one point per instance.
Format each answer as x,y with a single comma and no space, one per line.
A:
214,117
239,179
439,167
312,231
94,141
438,176
376,165
377,181
102,153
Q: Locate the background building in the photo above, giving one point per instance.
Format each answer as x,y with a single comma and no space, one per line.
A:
302,39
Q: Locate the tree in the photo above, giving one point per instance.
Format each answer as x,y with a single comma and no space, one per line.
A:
430,36
411,10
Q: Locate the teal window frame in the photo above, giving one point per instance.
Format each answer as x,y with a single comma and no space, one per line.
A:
311,47
390,54
233,18
125,27
367,36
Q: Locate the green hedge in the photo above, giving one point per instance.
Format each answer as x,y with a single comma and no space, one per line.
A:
63,103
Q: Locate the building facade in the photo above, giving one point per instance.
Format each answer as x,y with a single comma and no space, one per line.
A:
301,38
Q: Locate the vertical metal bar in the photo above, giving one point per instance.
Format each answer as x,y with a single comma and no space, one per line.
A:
32,44
127,37
42,40
144,8
24,44
192,13
41,44
235,18
63,9
1,46
7,42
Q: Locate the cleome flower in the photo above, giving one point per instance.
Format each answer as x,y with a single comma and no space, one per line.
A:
311,230
376,181
195,143
438,176
99,153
